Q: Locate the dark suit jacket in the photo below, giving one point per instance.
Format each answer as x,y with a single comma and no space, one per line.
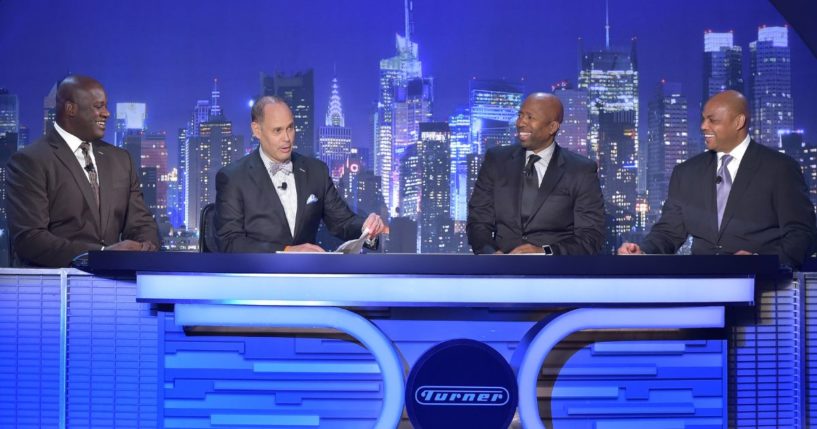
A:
250,216
569,212
768,210
52,212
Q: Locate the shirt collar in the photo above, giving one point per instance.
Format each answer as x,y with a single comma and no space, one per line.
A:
545,154
738,152
72,140
267,160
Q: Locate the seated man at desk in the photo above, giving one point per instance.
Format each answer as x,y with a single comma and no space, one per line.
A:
739,197
274,199
70,192
536,197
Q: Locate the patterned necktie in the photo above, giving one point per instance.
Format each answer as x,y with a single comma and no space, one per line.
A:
89,168
724,184
530,187
285,167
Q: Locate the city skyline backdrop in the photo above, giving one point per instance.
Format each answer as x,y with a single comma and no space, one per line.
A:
167,54
406,126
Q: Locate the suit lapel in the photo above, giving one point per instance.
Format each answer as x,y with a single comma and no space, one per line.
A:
711,192
105,171
259,174
516,165
301,189
67,158
746,172
554,173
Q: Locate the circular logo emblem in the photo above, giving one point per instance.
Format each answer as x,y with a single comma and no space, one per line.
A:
461,383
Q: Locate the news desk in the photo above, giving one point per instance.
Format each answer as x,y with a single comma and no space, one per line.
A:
286,340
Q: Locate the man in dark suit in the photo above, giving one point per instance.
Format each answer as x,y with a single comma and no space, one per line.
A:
273,199
71,192
738,198
536,197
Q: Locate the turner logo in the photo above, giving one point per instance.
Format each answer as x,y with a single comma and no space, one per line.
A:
461,384
461,396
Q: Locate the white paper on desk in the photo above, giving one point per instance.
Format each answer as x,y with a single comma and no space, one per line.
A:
353,247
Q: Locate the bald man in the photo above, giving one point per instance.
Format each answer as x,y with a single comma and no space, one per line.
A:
738,197
536,197
70,192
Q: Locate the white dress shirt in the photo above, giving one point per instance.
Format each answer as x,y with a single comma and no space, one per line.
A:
737,155
542,164
288,196
73,144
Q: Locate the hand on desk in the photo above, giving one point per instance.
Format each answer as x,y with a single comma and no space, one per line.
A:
143,246
526,248
630,249
306,247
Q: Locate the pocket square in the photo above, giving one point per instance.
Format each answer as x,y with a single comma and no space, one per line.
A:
312,199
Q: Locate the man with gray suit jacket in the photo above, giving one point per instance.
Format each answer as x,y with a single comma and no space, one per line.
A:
737,198
536,197
274,199
70,192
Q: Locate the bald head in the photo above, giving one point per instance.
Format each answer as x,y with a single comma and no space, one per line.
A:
82,107
539,120
725,122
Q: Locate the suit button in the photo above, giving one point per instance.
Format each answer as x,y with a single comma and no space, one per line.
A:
524,237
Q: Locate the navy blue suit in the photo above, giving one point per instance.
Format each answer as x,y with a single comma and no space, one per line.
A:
251,219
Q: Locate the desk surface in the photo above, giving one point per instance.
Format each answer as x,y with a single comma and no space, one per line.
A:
129,263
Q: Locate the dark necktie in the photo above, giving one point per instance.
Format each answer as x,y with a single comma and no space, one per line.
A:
530,187
724,184
89,167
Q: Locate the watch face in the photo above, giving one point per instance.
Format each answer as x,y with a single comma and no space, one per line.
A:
548,250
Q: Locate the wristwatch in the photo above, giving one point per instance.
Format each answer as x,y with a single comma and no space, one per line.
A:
547,249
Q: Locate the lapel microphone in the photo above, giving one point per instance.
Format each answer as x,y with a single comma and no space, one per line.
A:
718,180
283,186
89,168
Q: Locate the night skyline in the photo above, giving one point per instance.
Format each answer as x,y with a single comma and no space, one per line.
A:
167,58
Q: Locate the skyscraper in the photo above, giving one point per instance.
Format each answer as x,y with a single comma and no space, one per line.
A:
334,137
617,172
9,113
575,126
770,85
412,106
723,70
460,126
50,108
154,155
667,143
723,64
298,90
494,106
435,225
794,145
130,118
395,74
611,81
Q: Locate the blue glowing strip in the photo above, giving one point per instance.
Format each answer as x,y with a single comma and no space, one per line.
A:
540,340
298,317
300,386
264,420
316,367
365,290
